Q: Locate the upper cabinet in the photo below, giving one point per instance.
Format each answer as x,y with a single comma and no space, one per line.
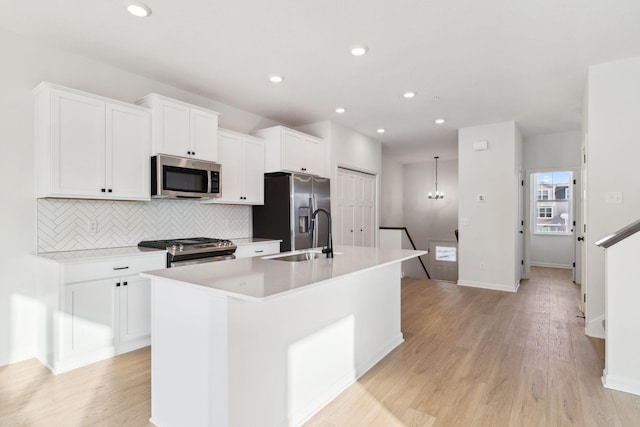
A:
291,150
242,160
182,129
88,146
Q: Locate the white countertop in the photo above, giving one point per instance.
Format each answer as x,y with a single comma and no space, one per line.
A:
259,279
92,254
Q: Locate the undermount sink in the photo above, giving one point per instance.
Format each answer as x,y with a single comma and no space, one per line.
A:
302,256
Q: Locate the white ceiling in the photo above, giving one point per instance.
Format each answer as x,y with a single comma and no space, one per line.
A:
488,61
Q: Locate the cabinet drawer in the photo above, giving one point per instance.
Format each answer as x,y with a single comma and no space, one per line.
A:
257,249
113,267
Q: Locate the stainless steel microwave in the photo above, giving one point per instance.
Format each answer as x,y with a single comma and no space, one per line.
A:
173,176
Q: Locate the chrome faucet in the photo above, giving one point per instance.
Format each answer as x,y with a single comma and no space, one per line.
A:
329,249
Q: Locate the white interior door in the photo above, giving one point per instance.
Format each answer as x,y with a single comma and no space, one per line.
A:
354,212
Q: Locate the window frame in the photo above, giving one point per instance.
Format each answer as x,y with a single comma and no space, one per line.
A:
557,209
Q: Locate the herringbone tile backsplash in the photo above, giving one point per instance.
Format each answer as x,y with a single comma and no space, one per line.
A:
62,224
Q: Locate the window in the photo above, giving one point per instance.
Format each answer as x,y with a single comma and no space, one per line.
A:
446,253
543,194
552,202
545,212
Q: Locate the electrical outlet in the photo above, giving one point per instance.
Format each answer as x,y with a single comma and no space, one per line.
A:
92,226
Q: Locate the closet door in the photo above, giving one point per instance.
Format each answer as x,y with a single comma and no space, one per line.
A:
355,208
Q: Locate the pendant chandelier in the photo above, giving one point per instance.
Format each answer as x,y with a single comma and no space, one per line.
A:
439,194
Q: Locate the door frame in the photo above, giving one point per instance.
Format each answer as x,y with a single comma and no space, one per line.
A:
577,213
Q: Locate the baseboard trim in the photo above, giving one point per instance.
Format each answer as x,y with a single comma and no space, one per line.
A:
490,286
595,327
549,265
615,382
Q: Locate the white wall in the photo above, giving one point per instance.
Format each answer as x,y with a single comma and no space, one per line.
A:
391,193
24,65
552,152
350,149
429,219
489,229
613,129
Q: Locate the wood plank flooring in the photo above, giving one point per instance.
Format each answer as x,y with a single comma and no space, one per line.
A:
475,357
471,357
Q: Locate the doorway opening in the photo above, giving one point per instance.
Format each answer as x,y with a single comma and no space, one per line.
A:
552,219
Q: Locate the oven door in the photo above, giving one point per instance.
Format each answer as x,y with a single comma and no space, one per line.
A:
187,261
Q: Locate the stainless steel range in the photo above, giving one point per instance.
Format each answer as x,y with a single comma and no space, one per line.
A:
194,250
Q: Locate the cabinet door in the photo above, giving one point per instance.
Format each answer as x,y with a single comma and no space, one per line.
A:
253,168
204,135
77,145
230,157
173,129
312,153
88,318
135,308
128,150
293,155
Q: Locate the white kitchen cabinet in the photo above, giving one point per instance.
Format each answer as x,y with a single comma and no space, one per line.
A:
291,150
182,129
89,146
88,319
134,309
242,160
93,309
252,248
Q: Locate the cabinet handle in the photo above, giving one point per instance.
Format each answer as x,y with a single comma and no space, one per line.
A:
193,153
352,231
120,268
110,190
124,283
304,169
103,190
258,252
189,152
118,284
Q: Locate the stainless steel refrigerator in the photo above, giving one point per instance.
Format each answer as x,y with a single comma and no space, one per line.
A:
289,202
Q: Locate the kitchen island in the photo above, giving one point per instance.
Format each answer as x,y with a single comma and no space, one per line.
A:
267,342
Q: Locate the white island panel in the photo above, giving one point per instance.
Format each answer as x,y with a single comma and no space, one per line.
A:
266,342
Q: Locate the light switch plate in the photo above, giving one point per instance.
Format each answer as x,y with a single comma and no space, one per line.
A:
613,198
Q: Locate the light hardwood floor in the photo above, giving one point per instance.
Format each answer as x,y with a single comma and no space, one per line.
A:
471,357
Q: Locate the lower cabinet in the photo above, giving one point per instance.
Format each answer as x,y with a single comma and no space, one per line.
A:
95,309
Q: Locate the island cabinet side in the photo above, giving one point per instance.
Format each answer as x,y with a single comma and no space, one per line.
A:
224,361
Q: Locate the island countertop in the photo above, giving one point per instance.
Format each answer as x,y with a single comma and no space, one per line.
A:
259,279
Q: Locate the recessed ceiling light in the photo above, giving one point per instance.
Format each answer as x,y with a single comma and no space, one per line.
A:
276,79
340,110
381,130
137,8
439,121
359,50
409,95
